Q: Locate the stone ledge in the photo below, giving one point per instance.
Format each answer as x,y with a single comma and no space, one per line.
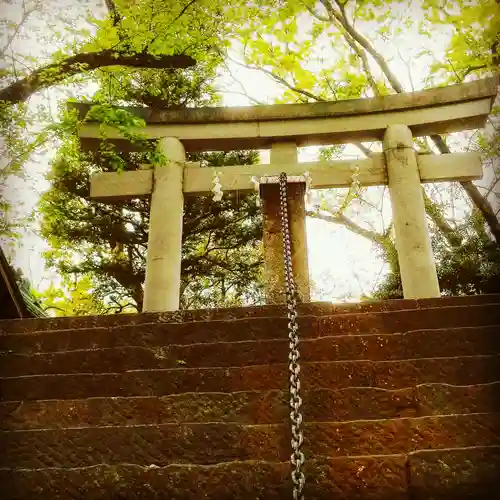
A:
211,443
420,476
153,356
455,474
375,478
464,370
314,308
252,407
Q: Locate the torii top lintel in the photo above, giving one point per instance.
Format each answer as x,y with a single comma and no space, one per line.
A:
434,111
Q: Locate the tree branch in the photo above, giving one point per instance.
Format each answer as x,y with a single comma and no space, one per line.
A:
381,240
495,49
280,80
479,201
341,219
364,63
341,17
242,87
24,17
484,206
56,73
244,94
366,151
471,69
183,11
352,43
153,101
113,11
315,14
435,213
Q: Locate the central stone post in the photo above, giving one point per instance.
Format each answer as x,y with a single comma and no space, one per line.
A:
274,278
163,264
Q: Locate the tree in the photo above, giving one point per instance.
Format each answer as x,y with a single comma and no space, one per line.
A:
15,149
134,34
89,39
75,298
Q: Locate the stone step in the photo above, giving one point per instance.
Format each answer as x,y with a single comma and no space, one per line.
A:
255,407
160,334
466,370
377,478
452,474
410,319
419,344
314,308
210,443
155,334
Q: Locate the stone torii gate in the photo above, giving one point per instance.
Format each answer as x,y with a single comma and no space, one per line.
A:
394,119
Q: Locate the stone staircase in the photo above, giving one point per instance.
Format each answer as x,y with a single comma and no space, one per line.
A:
401,401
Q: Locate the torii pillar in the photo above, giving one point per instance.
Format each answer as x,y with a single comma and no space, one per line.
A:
272,238
163,263
412,239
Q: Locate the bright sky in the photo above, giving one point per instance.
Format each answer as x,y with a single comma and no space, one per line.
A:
343,266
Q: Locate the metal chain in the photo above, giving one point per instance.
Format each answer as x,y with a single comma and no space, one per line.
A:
297,458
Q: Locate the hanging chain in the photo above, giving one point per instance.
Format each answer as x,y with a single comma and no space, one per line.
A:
297,458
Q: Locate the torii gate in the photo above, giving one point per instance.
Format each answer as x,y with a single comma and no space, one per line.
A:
394,119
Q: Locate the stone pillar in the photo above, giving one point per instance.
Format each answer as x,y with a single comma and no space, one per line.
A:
416,261
274,278
163,265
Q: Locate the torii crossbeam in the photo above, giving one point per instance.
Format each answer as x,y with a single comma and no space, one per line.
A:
393,119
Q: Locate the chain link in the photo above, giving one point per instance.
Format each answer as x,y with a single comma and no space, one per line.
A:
297,458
